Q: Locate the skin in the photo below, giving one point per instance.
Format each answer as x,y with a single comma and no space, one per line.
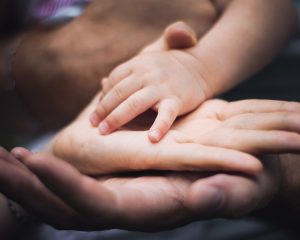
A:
203,145
53,172
218,135
175,82
58,194
132,202
71,59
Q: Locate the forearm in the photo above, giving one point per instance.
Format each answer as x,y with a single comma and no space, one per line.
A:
248,34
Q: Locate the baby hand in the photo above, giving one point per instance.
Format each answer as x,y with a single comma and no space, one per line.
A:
169,82
177,36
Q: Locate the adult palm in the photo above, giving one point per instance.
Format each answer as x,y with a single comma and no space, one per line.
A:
217,136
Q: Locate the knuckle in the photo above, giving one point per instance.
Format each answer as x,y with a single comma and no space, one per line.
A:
118,93
133,104
101,109
113,121
110,84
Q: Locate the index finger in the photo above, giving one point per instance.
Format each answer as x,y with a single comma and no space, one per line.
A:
81,192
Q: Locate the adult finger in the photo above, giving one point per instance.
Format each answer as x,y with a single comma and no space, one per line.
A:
284,121
258,106
253,141
83,193
230,196
20,152
195,157
9,158
23,187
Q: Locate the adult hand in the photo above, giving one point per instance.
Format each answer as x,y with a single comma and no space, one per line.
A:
17,182
144,202
217,136
137,201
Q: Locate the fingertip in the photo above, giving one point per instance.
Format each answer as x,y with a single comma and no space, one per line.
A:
104,128
257,167
154,135
20,153
180,35
94,119
244,162
252,165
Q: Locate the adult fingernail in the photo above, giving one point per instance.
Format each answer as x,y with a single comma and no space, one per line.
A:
20,153
104,128
155,135
94,119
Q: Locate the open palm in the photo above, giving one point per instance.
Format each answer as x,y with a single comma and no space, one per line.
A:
217,136
157,200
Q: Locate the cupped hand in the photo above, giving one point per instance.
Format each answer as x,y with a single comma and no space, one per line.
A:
217,136
61,196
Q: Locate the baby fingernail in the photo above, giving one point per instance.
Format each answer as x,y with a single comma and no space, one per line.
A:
155,135
94,119
104,128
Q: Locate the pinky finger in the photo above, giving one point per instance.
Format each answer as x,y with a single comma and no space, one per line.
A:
167,112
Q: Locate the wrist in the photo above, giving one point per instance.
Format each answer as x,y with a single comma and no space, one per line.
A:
219,75
202,72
